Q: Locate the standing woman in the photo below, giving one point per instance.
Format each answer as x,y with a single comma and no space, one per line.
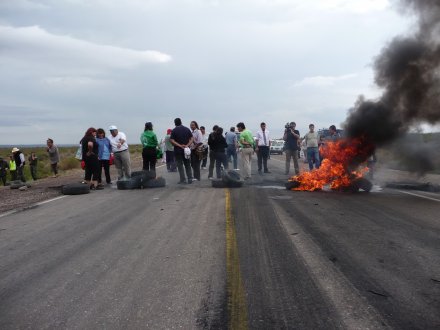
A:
197,142
149,144
104,152
90,157
54,157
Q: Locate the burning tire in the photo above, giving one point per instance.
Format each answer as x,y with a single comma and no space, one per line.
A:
75,189
362,183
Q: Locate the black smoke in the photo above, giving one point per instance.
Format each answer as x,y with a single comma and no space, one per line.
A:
408,70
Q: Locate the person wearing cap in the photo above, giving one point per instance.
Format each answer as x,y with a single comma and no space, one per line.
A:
119,144
181,137
169,152
19,161
149,147
54,156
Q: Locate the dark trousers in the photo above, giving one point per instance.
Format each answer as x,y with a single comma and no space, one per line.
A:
171,161
211,164
149,159
262,156
92,168
195,164
183,162
54,168
104,164
3,179
220,159
13,175
20,173
33,172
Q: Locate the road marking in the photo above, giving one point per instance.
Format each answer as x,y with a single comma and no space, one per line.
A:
50,200
237,308
352,308
30,206
421,196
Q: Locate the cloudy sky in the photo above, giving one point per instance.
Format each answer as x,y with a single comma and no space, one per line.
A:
66,65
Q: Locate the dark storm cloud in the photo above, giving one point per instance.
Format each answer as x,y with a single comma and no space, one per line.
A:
408,71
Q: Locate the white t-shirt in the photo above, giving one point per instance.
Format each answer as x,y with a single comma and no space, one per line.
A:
115,140
260,138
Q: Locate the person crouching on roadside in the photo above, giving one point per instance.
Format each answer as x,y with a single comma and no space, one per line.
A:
90,157
149,147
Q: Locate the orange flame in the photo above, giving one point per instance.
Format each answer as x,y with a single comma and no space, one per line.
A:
339,167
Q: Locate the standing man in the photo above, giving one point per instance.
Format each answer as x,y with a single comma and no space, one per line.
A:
292,143
19,161
312,140
247,149
181,137
334,135
231,150
33,161
263,148
54,156
3,168
118,140
211,154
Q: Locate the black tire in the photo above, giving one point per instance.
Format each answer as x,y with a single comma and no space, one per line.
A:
15,184
134,182
231,176
146,175
155,183
363,183
235,184
218,183
75,189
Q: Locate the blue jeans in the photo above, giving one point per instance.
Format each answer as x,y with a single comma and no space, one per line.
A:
313,157
232,151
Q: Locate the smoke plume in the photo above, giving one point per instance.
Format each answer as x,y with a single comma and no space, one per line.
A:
408,70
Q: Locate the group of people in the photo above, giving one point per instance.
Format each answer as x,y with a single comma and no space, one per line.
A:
16,163
187,151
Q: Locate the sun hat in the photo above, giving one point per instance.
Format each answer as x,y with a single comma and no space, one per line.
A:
15,149
112,128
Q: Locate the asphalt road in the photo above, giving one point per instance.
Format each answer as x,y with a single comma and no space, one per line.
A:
192,256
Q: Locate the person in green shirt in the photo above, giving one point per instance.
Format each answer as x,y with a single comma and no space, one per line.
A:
149,144
247,143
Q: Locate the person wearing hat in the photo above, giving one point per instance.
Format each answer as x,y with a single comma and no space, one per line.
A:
169,152
119,144
19,161
54,156
149,146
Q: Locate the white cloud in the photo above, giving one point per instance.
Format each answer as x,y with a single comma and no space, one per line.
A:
323,81
73,81
23,42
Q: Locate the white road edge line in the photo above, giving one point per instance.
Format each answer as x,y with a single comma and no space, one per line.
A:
30,206
352,308
417,195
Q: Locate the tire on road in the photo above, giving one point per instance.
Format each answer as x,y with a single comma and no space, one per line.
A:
231,176
134,182
16,184
155,183
75,189
218,183
146,175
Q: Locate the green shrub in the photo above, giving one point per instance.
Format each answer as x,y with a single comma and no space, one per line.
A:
69,163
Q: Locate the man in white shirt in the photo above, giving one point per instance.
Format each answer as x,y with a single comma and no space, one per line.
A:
262,148
119,144
312,139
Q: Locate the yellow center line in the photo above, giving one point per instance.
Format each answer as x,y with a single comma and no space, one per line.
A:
237,308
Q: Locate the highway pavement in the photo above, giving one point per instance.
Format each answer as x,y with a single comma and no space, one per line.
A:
197,257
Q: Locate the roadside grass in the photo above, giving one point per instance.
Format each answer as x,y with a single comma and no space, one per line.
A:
67,159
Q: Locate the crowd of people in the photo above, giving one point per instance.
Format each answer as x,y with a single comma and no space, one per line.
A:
186,150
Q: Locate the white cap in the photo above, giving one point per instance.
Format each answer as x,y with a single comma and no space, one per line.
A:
112,128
